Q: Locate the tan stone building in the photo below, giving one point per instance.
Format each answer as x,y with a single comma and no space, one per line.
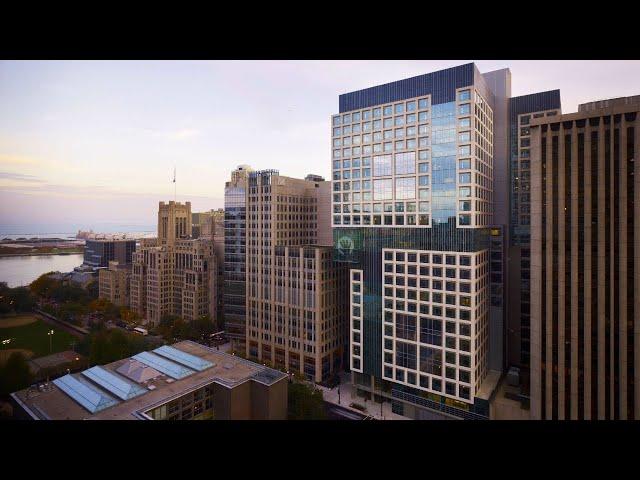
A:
174,274
114,283
585,267
296,296
210,225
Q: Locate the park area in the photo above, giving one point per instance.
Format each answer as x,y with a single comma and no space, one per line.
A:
28,334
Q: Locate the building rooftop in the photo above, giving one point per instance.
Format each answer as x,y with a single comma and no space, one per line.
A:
127,388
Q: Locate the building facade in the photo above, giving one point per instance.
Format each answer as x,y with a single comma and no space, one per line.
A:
522,110
98,252
296,294
114,283
210,225
412,209
174,274
235,218
585,327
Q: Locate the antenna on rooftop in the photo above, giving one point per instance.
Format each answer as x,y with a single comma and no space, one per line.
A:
174,184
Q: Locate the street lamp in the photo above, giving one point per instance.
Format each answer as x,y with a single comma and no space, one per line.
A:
50,333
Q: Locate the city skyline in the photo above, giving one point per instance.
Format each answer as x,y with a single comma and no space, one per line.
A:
82,135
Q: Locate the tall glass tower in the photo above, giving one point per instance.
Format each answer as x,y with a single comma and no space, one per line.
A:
412,212
235,219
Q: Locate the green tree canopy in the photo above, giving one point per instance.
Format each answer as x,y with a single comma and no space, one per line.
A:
305,403
14,374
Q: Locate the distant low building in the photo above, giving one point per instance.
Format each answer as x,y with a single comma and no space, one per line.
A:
185,381
115,283
98,252
80,278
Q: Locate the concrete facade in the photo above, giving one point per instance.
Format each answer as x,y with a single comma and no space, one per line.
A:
296,295
585,323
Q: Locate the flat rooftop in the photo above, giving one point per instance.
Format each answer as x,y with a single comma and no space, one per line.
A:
125,389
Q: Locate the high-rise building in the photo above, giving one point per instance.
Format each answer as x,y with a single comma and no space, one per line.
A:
585,267
235,256
98,252
210,225
174,222
174,274
413,166
522,110
114,283
296,294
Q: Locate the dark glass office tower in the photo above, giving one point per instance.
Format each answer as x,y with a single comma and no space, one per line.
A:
235,219
522,111
412,211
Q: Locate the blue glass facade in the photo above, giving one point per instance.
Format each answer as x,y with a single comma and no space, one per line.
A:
443,163
440,85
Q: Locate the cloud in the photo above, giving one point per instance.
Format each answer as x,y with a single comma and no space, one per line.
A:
19,176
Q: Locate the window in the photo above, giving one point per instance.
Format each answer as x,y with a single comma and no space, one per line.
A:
431,360
464,150
406,355
388,110
382,165
464,219
464,122
406,188
464,109
465,205
464,137
423,168
431,331
464,95
382,189
423,103
406,326
465,178
465,191
411,106
405,163
465,164
399,108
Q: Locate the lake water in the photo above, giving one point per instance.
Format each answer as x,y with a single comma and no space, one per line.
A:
18,271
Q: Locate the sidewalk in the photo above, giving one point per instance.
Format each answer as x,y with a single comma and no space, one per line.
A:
371,408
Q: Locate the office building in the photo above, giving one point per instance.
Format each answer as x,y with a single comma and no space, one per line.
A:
114,283
210,225
234,289
174,274
185,381
585,326
413,214
98,252
296,295
522,110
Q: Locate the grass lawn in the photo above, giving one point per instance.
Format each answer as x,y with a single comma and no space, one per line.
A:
33,336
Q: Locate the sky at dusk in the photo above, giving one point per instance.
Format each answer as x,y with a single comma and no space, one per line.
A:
93,143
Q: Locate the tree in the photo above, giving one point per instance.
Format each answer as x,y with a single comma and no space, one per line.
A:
15,374
305,403
93,289
13,300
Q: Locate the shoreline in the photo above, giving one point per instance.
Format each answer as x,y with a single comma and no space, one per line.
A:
37,254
